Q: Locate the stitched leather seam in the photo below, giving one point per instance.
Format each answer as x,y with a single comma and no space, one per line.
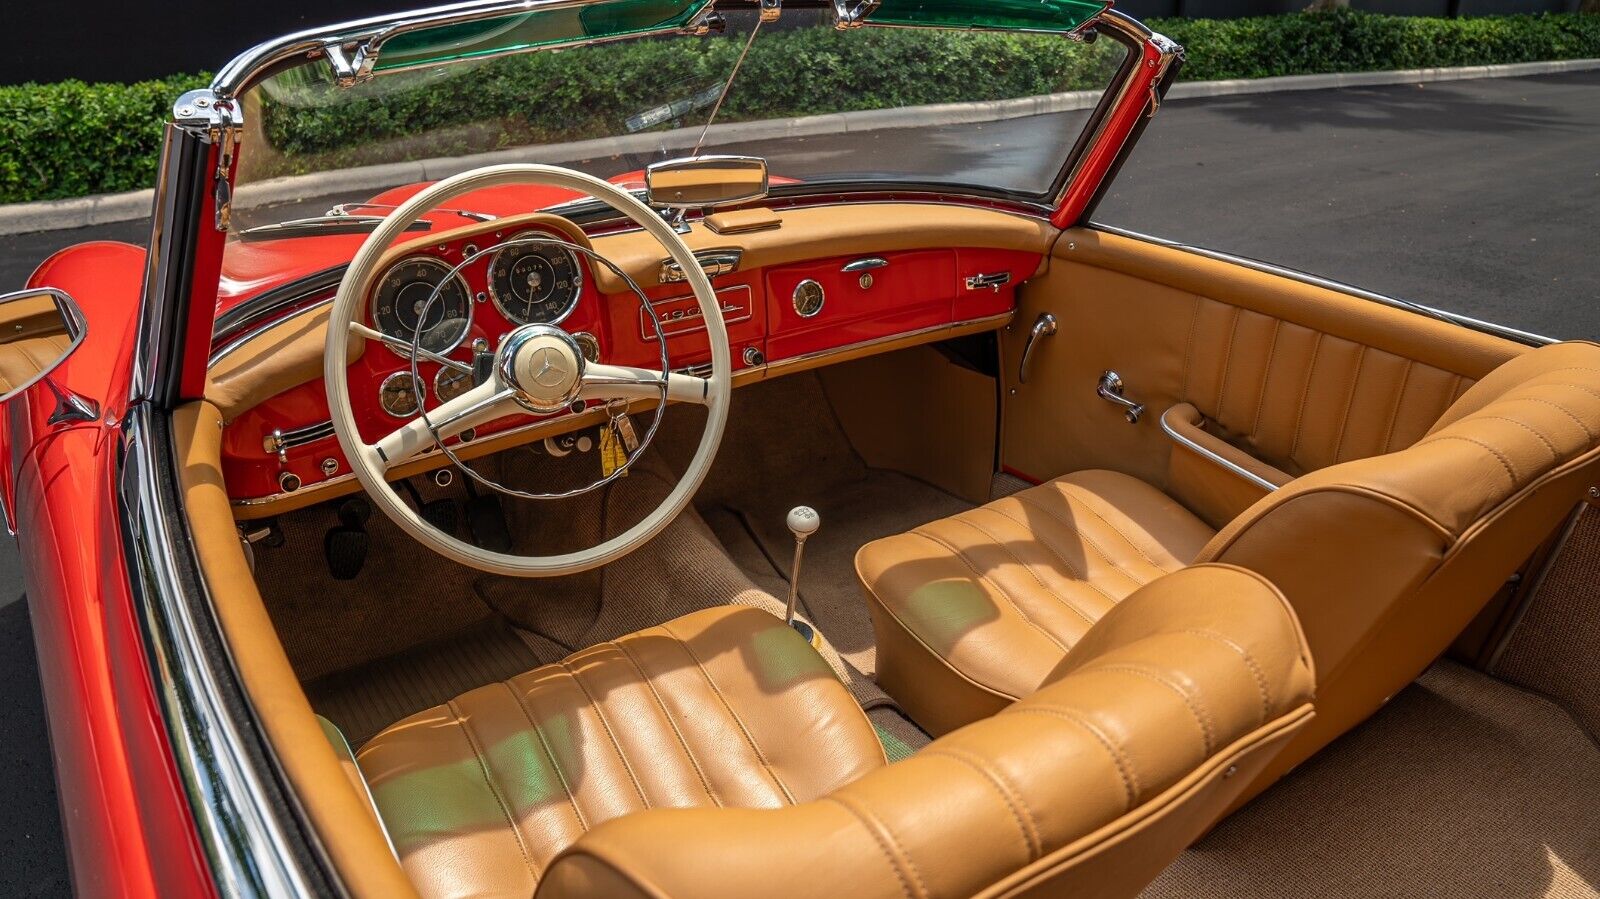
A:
1399,399
1188,350
1588,434
1081,577
1266,374
1504,462
494,789
739,722
1090,501
1349,403
1305,392
572,798
1124,766
1227,360
902,870
1082,535
1249,662
1191,702
1555,455
605,725
985,578
671,722
1013,801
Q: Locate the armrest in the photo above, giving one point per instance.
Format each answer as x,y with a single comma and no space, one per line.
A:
1211,476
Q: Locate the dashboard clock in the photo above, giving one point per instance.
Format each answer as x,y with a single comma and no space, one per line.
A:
809,298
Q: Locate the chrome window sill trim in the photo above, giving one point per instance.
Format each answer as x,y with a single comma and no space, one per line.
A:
1208,455
248,843
777,367
1502,331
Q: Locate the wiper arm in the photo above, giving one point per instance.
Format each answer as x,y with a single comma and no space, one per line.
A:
323,225
346,208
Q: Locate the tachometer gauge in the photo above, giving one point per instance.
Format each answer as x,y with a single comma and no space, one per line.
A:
402,295
535,283
399,395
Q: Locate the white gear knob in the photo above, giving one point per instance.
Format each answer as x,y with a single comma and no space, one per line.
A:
803,522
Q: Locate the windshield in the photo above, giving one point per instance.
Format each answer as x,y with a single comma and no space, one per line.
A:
993,113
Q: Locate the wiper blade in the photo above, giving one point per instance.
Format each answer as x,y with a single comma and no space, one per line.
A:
324,225
347,208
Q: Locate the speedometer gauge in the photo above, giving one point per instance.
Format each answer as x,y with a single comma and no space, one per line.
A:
535,283
402,296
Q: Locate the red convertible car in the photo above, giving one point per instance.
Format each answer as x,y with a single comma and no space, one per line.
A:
676,448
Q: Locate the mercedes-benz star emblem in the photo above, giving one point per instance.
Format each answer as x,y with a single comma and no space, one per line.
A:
548,368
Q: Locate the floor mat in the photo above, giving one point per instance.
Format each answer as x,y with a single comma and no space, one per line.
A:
366,699
1462,787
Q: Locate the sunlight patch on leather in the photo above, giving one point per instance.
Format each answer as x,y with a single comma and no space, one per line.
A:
942,612
782,659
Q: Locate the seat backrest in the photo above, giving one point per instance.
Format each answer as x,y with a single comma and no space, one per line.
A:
1138,740
1387,559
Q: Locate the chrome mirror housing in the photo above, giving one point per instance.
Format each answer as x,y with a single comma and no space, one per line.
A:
39,329
702,182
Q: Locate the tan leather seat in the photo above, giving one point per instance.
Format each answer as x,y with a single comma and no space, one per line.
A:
718,756
974,611
1385,559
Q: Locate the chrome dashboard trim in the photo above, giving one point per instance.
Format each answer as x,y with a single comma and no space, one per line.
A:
244,820
1210,456
1523,337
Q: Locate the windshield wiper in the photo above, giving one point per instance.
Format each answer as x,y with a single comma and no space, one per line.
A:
346,208
324,225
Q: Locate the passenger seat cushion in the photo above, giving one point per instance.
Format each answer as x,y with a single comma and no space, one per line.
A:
1089,787
973,611
725,707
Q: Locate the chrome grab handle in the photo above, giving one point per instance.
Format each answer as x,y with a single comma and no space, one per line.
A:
1044,326
714,262
1110,390
870,263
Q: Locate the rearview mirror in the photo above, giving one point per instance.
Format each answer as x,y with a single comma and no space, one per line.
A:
39,329
701,182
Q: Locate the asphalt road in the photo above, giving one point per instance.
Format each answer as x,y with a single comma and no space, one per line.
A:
1479,197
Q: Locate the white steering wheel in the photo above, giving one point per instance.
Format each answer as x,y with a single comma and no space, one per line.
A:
537,367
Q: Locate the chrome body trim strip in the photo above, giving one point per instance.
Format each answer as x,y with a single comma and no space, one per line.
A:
252,842
175,225
1204,453
1502,331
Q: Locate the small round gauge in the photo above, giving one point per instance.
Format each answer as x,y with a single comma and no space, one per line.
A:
399,395
449,384
402,295
808,298
535,283
589,345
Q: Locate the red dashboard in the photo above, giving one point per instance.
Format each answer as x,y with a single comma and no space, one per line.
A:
775,316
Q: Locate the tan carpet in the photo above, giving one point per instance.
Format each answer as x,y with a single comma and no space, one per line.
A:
1462,787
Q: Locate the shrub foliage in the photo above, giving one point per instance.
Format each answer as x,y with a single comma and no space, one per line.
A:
73,139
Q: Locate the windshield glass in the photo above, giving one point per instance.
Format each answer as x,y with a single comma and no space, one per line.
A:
993,113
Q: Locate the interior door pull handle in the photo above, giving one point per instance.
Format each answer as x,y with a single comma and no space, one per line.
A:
1110,390
1044,326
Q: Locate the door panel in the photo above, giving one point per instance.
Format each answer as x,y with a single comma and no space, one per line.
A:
1297,376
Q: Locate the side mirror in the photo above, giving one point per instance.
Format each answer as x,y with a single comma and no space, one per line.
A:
701,182
39,329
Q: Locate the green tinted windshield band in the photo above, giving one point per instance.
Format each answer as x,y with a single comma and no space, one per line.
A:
1010,15
528,31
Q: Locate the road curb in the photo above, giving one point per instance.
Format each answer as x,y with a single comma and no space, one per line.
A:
58,215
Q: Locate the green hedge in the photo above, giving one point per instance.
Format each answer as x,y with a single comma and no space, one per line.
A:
73,139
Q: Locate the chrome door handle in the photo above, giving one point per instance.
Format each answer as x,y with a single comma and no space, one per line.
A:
868,264
1110,390
1044,326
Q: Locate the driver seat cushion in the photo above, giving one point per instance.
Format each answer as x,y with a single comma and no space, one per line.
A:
972,612
725,707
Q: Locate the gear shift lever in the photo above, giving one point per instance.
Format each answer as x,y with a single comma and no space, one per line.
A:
803,522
